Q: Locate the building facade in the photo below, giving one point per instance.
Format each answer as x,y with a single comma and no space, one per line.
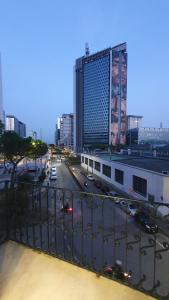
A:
139,178
66,131
133,121
22,129
13,124
148,135
100,92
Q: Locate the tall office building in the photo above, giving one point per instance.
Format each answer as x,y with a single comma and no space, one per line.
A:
66,131
100,91
1,97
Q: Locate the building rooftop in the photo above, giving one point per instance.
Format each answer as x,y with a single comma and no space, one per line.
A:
152,164
31,275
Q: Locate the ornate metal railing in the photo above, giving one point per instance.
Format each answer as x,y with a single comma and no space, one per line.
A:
92,231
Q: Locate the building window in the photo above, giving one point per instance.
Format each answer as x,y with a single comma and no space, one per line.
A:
119,176
83,159
86,160
91,163
97,166
140,185
107,170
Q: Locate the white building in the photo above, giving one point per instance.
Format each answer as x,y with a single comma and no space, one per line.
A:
66,131
13,124
140,178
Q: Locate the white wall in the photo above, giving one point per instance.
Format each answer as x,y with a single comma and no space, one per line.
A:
157,184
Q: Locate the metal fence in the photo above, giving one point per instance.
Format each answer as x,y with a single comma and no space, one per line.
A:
91,231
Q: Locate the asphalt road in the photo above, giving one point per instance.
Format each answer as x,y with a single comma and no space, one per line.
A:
96,234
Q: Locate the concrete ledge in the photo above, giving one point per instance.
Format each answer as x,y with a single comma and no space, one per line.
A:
26,274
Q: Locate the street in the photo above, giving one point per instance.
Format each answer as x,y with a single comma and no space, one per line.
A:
96,234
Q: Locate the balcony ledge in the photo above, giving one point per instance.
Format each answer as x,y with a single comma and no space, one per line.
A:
26,274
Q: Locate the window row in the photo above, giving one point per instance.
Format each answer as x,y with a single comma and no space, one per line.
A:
139,184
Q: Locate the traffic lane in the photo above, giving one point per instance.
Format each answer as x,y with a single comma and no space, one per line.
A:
82,179
130,256
65,179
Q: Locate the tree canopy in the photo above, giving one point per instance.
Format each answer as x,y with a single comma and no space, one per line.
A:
15,148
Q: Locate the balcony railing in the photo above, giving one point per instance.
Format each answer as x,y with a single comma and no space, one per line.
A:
92,231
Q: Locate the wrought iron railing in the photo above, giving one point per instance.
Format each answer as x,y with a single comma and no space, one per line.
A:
91,231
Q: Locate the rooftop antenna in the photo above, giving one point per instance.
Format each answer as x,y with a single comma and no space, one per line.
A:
87,52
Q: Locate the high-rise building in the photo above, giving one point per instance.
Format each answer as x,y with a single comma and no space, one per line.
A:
2,113
13,124
66,131
100,91
133,121
22,129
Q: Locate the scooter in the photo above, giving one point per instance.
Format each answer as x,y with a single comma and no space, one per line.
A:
67,209
117,272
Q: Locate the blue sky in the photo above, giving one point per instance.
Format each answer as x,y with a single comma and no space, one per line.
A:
40,39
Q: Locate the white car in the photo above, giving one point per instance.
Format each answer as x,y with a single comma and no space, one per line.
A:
132,209
53,175
53,169
90,177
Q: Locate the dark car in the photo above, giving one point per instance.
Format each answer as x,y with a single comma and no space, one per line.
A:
105,189
147,224
98,184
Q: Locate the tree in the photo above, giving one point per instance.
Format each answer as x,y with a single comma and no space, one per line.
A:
14,148
1,127
38,149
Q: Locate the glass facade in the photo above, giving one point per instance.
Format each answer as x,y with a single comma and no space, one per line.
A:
100,98
96,101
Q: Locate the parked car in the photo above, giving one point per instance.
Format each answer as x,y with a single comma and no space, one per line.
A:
98,184
105,189
147,224
123,205
90,177
132,209
112,194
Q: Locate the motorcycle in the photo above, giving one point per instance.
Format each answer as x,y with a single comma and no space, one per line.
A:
117,271
67,209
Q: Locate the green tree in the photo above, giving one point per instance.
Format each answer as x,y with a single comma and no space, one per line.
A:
1,127
14,148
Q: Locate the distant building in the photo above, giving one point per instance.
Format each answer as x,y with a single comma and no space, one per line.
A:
22,129
2,113
57,132
13,124
66,131
148,135
133,121
100,92
33,134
